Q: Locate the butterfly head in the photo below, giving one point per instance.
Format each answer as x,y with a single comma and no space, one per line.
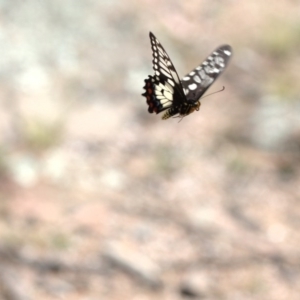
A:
191,106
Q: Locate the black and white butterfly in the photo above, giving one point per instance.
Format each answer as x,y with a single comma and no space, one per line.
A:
165,91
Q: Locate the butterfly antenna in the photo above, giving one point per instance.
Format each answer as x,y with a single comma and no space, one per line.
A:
214,92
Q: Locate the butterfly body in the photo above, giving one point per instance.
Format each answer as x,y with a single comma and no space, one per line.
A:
183,110
165,91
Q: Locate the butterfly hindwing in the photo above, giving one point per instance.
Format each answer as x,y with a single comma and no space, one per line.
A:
159,94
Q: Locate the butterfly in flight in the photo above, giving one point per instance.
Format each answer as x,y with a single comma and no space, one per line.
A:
165,91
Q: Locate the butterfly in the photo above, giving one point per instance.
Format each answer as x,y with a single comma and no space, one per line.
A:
165,91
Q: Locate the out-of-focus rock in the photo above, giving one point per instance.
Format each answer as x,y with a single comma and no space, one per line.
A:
133,263
195,284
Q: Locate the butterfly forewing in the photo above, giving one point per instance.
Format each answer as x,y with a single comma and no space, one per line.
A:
164,89
162,64
202,77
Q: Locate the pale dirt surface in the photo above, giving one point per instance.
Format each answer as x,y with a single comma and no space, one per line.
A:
101,200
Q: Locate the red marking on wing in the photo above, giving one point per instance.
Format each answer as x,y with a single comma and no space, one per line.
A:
152,102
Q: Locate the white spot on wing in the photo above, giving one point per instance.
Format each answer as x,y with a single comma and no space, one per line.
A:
165,73
186,78
168,95
174,75
219,60
171,82
227,52
169,87
161,51
163,66
192,73
197,78
202,74
208,69
192,86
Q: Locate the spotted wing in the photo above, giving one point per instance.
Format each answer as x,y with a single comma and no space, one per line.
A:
201,78
164,89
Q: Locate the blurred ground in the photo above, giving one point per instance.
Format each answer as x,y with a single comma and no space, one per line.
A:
101,200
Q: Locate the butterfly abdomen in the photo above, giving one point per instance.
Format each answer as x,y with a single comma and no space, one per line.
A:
170,113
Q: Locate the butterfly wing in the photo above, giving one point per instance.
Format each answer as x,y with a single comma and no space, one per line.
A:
201,78
164,89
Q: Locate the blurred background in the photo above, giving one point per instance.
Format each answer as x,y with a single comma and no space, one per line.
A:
102,200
